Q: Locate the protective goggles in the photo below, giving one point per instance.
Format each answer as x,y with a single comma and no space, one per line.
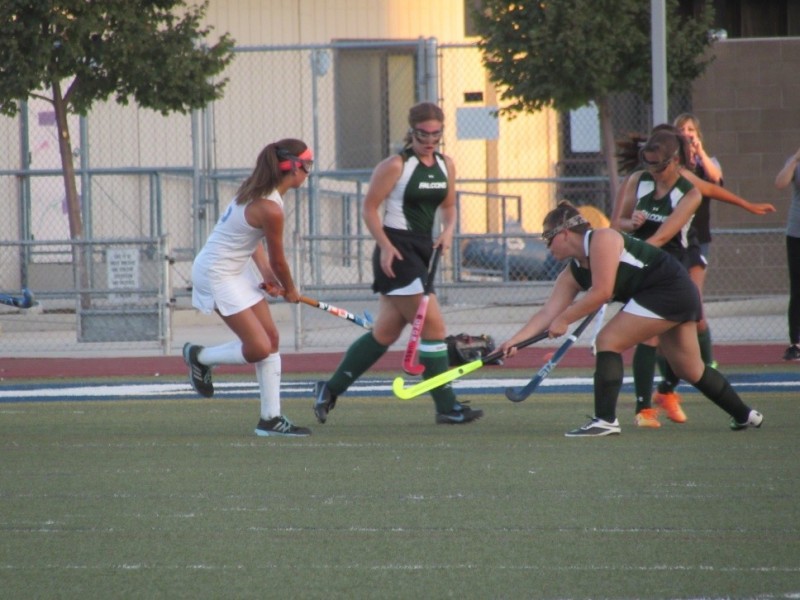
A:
423,136
655,166
289,162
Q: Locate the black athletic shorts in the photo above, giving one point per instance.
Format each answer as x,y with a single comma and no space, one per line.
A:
668,291
693,257
416,249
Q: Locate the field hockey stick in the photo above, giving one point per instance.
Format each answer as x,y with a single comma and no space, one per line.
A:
419,320
522,393
406,393
365,321
24,301
598,325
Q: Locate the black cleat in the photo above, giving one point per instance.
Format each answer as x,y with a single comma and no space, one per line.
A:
280,426
460,414
325,401
199,374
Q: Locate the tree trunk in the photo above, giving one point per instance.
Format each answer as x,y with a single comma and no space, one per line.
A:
81,274
609,151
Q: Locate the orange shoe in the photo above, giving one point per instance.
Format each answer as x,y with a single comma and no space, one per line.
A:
647,417
671,403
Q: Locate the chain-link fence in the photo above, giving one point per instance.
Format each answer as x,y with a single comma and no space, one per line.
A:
151,178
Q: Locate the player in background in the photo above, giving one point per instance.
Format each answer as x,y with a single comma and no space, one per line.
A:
790,173
227,272
685,247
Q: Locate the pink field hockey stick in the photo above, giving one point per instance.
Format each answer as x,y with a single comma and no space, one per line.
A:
419,320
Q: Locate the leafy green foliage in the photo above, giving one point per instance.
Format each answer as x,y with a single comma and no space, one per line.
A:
127,48
566,53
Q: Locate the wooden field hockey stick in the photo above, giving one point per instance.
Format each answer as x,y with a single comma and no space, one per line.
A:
406,393
522,393
419,320
365,321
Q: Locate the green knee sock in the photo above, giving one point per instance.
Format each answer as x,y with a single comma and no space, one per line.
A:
360,356
706,347
433,356
644,370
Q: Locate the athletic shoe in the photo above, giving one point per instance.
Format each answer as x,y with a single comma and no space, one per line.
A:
460,414
280,426
647,417
754,419
595,428
671,403
199,374
792,353
325,401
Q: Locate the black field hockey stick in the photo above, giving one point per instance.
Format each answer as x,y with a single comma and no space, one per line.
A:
406,393
419,319
365,321
522,393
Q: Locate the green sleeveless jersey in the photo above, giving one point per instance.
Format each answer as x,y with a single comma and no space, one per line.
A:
635,262
412,203
658,210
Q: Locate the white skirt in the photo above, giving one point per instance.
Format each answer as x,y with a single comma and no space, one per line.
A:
229,294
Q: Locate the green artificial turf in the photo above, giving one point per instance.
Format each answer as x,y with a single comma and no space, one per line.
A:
178,499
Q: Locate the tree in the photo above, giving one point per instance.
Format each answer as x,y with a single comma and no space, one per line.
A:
74,53
567,53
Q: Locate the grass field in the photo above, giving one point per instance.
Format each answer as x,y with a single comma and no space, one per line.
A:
178,499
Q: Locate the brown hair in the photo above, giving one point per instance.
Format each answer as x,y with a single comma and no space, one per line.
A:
684,118
629,148
561,214
424,111
266,174
666,143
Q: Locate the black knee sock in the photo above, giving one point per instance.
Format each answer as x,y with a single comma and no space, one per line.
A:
669,381
607,383
644,369
717,389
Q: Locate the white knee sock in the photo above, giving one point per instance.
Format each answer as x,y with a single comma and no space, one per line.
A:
268,373
224,354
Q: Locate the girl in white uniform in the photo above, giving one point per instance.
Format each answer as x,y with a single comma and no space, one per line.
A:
228,271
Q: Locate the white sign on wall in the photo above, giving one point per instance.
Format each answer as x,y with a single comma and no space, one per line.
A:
123,272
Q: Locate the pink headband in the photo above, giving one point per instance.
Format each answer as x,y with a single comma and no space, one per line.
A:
292,161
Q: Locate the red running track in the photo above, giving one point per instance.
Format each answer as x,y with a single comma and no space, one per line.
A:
529,358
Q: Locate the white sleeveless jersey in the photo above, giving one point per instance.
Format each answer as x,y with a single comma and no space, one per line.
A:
233,240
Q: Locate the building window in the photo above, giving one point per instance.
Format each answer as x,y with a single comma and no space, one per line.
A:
374,89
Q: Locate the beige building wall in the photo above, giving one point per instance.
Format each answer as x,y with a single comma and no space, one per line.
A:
284,22
526,146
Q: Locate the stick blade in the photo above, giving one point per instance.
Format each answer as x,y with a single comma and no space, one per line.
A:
413,369
400,391
516,395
